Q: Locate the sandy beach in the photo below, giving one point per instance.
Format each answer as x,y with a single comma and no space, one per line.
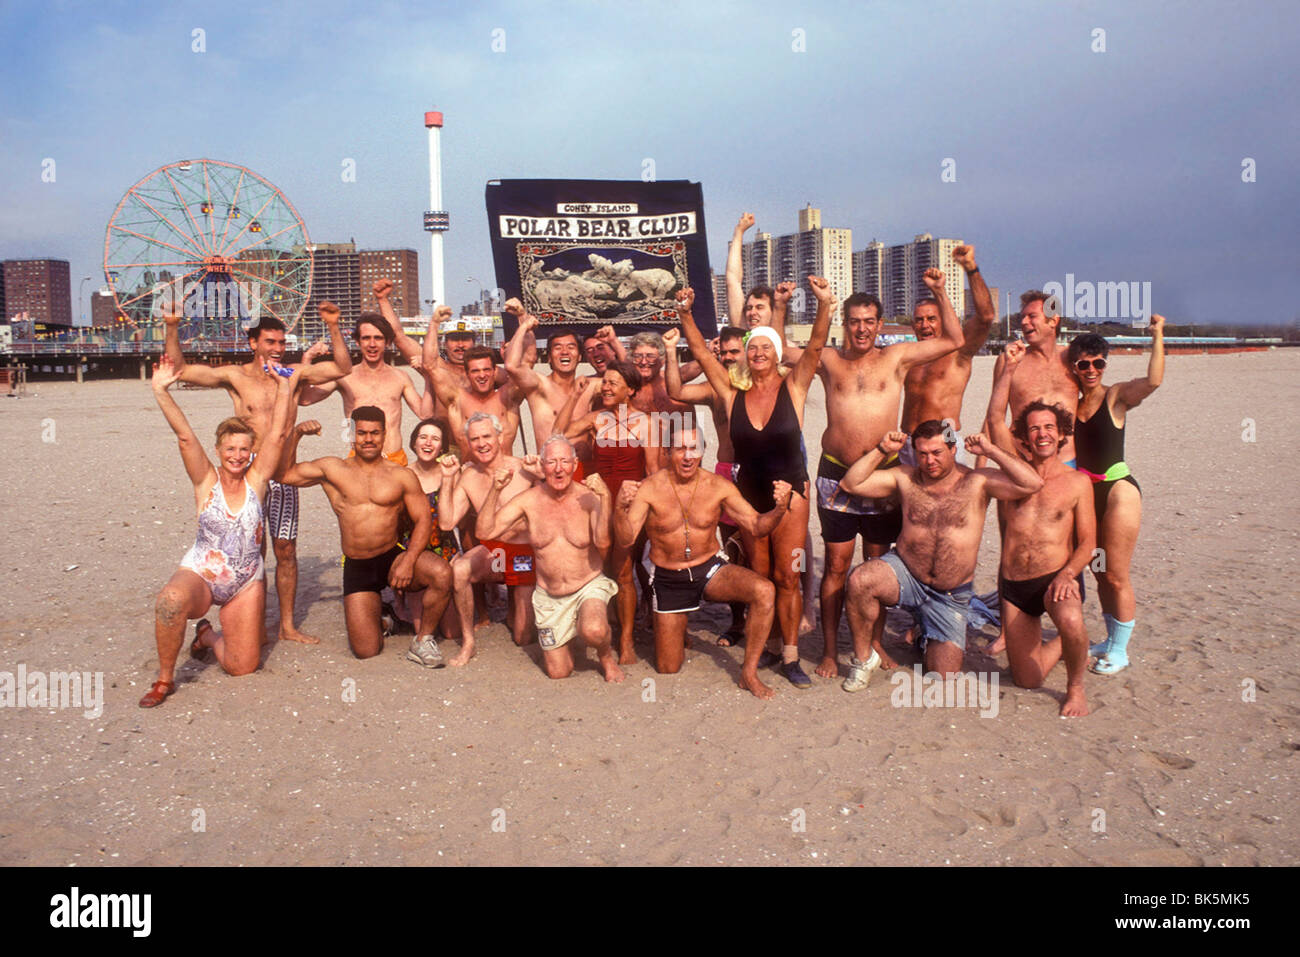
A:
1189,757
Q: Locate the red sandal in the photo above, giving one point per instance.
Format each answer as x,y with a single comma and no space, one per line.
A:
197,648
159,691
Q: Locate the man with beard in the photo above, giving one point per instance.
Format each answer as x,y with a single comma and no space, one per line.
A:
930,570
680,507
567,524
252,388
505,558
368,492
863,384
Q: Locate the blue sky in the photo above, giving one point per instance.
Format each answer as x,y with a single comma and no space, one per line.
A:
1116,166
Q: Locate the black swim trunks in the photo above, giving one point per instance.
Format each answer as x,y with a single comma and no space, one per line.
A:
676,590
1028,595
369,574
844,517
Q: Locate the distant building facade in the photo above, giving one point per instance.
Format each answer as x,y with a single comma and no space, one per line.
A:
894,273
41,288
811,251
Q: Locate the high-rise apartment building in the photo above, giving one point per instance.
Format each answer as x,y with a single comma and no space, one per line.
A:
894,273
402,266
720,306
812,251
41,288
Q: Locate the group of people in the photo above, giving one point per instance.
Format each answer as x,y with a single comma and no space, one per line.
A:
615,499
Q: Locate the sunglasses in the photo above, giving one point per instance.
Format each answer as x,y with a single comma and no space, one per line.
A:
1084,364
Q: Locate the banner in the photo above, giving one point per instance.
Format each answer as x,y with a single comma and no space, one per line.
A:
589,253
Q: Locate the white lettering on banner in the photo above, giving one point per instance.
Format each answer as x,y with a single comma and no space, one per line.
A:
597,209
574,227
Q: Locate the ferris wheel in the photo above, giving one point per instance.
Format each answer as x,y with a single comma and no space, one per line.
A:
216,234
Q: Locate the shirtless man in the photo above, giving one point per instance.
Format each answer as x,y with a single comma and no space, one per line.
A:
568,526
376,383
731,349
499,559
934,390
368,492
546,395
863,384
1042,374
930,570
481,395
680,507
1047,541
252,388
648,354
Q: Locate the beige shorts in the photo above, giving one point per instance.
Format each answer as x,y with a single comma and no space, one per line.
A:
557,616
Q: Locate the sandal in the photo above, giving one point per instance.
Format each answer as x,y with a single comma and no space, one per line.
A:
731,639
159,691
197,648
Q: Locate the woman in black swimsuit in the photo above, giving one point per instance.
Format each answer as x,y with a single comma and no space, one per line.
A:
1099,451
766,425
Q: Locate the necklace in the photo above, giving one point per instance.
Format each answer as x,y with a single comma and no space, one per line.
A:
686,522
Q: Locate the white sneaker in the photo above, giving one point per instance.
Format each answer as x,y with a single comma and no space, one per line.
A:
860,672
424,651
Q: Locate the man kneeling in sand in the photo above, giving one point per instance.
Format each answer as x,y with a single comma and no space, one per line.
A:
1039,571
368,493
680,507
506,559
930,570
567,524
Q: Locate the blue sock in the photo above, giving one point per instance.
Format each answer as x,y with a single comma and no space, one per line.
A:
1101,647
1116,658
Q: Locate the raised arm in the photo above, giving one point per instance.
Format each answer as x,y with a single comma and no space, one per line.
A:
453,503
600,517
1130,394
564,423
607,335
197,466
695,392
404,343
198,374
1013,479
430,356
781,296
714,370
950,334
863,479
975,331
496,522
421,403
736,271
268,459
806,368
630,513
340,362
748,519
995,420
525,379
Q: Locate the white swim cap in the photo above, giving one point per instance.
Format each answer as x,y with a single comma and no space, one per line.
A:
766,332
